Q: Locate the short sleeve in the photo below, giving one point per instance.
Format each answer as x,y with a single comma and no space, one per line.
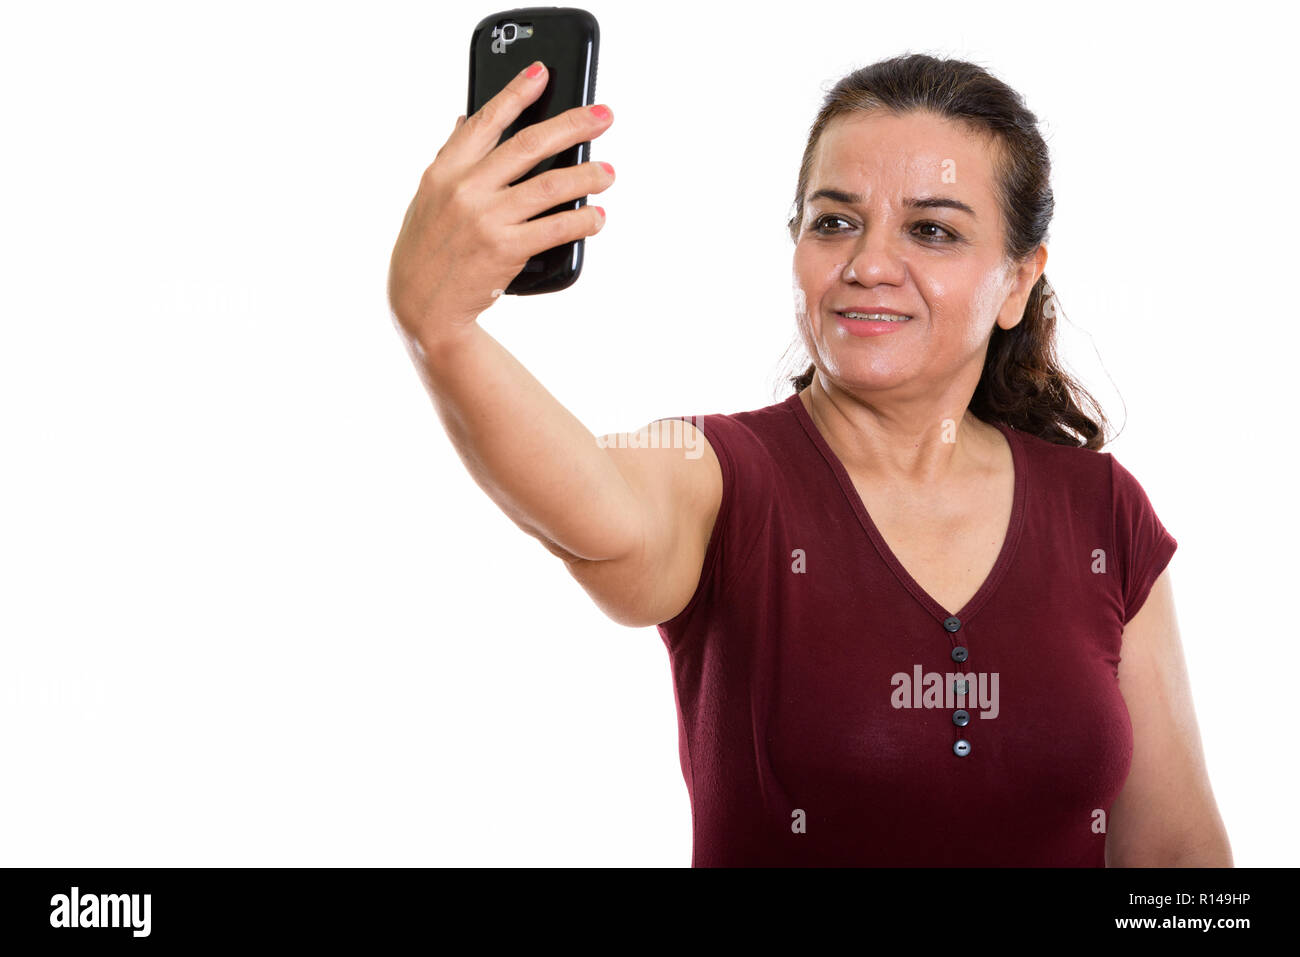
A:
739,540
1143,546
712,431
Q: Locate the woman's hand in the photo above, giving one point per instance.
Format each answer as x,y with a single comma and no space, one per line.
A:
466,234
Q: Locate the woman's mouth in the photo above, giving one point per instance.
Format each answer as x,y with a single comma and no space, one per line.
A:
871,323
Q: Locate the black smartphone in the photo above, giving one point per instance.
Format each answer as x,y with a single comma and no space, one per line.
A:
567,40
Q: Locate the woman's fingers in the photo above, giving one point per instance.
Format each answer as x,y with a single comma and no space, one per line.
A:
554,230
533,144
479,134
539,193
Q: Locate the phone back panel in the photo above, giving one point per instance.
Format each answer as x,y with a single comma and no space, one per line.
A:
567,40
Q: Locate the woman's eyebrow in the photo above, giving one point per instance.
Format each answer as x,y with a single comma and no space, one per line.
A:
912,202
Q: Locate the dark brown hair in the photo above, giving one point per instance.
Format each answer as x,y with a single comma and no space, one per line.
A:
1022,383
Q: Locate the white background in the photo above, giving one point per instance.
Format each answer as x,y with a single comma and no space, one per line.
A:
254,610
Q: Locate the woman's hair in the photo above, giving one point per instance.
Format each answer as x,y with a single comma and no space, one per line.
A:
1022,383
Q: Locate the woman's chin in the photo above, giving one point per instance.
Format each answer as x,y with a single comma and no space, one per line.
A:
856,378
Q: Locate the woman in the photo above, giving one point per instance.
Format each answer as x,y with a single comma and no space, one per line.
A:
912,618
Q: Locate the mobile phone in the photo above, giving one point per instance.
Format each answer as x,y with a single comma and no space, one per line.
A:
567,40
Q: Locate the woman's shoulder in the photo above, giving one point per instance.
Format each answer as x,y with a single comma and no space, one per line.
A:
1075,461
1071,476
750,435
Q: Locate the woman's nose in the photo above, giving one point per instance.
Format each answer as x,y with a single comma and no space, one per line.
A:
875,259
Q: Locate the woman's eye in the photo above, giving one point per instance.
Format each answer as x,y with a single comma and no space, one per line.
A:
821,226
938,227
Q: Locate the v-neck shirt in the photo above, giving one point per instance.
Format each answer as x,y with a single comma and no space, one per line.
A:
1010,539
814,677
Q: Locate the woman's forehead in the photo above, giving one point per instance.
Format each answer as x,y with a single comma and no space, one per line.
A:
918,147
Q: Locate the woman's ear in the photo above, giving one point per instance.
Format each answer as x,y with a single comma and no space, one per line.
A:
1026,275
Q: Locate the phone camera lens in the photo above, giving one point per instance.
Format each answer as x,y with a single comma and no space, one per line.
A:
508,32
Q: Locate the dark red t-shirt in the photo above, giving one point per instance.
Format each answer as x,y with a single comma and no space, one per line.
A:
817,723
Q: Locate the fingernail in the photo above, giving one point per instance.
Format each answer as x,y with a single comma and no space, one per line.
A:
601,210
600,112
534,70
608,169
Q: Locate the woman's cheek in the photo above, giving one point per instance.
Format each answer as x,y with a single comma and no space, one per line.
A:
800,300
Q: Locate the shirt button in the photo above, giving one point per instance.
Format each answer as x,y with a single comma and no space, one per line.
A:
961,748
960,718
952,624
959,653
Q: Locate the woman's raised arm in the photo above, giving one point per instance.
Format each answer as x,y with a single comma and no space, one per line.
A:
631,523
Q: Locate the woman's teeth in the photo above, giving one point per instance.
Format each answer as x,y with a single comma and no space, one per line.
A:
875,316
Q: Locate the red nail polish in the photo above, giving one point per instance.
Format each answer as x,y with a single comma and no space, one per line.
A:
600,112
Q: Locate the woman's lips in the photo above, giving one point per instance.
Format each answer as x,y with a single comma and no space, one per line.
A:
870,327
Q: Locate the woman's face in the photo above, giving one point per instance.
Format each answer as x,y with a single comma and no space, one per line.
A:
894,238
